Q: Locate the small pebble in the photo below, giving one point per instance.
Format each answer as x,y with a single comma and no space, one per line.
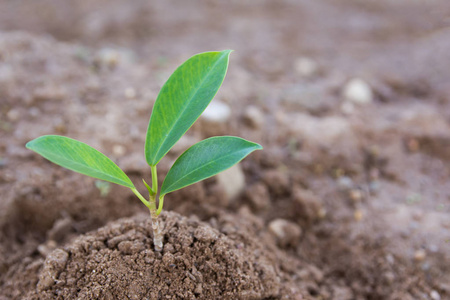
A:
322,213
358,215
217,112
306,67
358,91
232,181
435,295
13,115
109,57
130,93
119,150
355,195
390,277
345,183
286,232
205,234
254,117
390,258
47,248
420,255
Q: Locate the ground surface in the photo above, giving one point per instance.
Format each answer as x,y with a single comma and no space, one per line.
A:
350,198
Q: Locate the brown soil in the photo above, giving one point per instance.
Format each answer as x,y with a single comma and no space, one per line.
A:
348,200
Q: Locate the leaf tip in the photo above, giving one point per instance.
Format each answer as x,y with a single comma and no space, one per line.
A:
30,145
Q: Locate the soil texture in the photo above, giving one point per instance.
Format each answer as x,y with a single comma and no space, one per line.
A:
350,198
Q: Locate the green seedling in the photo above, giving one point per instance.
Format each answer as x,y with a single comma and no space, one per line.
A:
182,99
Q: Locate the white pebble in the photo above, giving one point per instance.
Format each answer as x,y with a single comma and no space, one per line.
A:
435,295
358,91
306,67
13,115
286,232
119,150
232,181
217,112
130,93
254,117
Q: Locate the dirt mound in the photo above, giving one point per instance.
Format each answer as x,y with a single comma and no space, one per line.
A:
198,262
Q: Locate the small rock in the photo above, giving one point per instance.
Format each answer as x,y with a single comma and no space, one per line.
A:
310,98
60,229
358,91
198,289
125,247
287,233
306,67
389,277
307,206
358,215
108,57
355,195
205,234
254,117
258,196
168,247
321,213
130,93
277,181
345,183
48,92
113,242
342,293
232,181
331,132
13,115
435,295
46,248
390,259
54,264
420,255
119,150
217,112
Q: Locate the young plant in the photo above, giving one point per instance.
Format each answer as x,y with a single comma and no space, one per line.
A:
182,99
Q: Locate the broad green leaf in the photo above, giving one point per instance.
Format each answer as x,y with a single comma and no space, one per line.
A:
79,157
182,100
206,159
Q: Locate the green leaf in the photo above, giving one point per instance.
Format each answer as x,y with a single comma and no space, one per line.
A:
182,100
79,157
206,159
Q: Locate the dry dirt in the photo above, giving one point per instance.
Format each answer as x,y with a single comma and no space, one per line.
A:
350,198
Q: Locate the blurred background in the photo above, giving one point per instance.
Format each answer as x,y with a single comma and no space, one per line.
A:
350,99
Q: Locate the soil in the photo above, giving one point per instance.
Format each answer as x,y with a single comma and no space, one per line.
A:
350,198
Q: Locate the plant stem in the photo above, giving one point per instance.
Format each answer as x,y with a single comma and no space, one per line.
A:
146,203
160,205
157,227
154,180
